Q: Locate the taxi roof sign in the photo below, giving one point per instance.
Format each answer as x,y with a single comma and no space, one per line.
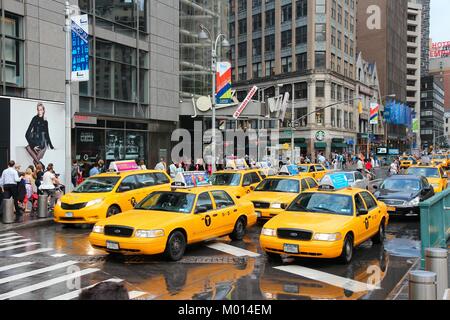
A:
290,170
191,179
123,166
334,181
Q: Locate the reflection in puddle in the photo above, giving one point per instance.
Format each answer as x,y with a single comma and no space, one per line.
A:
403,247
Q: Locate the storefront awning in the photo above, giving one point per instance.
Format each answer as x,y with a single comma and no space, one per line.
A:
320,145
339,145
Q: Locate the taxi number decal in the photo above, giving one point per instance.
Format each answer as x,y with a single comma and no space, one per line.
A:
208,221
366,222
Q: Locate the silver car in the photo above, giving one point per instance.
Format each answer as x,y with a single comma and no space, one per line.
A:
355,179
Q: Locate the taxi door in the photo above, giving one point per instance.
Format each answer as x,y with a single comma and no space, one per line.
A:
374,216
312,172
362,224
126,193
226,212
250,181
203,222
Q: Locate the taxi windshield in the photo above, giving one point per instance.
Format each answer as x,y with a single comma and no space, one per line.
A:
178,202
279,185
226,179
97,185
425,172
405,185
337,204
303,168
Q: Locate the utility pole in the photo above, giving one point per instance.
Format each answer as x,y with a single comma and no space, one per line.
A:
68,104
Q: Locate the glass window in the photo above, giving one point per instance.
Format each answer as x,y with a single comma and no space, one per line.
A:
312,183
301,90
304,185
279,185
222,199
401,185
320,6
204,201
323,203
161,178
97,185
302,8
130,183
370,201
286,13
321,32
179,202
359,203
270,18
247,180
145,180
286,39
320,89
226,179
257,22
13,50
115,145
302,62
124,12
270,43
255,178
301,35
320,59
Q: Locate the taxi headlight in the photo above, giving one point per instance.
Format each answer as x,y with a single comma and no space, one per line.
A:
269,232
98,229
414,202
149,233
94,202
276,205
327,236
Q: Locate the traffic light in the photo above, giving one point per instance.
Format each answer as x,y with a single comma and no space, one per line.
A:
360,107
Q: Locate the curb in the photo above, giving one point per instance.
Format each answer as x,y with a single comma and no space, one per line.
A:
30,224
402,285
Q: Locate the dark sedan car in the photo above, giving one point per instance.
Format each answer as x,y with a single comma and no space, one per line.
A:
402,194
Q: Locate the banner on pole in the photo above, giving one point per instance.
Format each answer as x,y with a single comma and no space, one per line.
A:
374,110
244,104
223,80
80,48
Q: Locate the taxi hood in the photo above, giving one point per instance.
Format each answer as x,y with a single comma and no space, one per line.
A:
316,222
144,219
73,198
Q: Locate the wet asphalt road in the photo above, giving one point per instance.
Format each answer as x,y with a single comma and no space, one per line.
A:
64,261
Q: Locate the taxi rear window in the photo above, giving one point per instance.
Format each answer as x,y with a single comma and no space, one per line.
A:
226,179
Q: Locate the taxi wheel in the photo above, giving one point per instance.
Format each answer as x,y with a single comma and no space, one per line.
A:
112,211
239,230
175,247
381,235
347,250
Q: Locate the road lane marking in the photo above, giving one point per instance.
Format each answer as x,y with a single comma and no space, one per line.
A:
37,271
13,266
10,238
341,282
45,284
12,242
58,255
29,253
8,234
235,251
74,294
136,294
19,246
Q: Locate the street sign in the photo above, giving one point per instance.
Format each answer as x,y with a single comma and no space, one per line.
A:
80,48
244,104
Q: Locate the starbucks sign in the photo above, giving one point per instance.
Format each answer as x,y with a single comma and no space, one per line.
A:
320,135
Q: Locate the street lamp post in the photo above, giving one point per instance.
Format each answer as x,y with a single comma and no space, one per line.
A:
205,34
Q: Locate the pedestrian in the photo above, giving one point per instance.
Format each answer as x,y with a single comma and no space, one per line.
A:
173,170
75,173
142,165
360,165
49,183
29,182
94,170
161,165
22,191
38,175
8,183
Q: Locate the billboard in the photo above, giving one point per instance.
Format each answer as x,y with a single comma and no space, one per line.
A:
223,83
80,48
440,49
36,133
244,104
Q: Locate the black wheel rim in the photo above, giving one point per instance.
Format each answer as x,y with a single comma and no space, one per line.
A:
240,227
176,246
348,250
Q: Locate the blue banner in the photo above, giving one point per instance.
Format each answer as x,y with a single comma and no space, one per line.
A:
80,48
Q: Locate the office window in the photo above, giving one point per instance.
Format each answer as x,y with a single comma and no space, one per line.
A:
257,22
13,50
333,36
302,63
339,93
286,13
333,62
256,47
286,64
333,117
320,89
270,18
242,26
270,43
301,90
301,35
346,44
321,32
321,6
339,40
333,91
242,5
339,118
301,113
242,50
270,68
340,14
320,59
257,70
256,3
286,39
333,10
232,29
242,73
345,120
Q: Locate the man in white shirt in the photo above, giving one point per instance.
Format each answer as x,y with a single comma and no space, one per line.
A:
49,183
8,183
172,170
360,165
161,165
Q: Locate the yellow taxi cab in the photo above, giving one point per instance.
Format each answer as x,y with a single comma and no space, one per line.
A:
274,194
316,171
435,175
167,221
237,182
439,159
407,161
326,223
108,194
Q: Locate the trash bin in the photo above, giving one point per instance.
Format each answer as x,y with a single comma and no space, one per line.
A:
43,206
422,285
8,211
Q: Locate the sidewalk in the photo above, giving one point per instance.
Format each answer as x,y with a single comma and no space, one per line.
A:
28,222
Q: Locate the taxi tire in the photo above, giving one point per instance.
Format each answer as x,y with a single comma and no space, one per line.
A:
381,234
176,238
112,211
239,230
347,250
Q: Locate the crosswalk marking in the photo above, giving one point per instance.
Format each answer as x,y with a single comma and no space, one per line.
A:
16,265
58,255
341,282
13,242
37,271
10,238
19,246
74,294
136,294
8,234
29,253
235,251
48,283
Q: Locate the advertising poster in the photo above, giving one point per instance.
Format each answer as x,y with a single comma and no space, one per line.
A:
37,133
223,80
374,109
80,48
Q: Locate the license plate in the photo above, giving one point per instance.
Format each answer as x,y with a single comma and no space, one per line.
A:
258,214
291,248
69,214
112,245
391,209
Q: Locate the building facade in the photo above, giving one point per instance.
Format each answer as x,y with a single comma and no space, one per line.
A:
440,68
425,42
432,112
307,49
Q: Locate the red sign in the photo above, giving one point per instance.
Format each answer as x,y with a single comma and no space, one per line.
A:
121,166
244,104
440,49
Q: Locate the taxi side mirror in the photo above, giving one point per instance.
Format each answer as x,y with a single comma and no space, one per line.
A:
201,210
363,212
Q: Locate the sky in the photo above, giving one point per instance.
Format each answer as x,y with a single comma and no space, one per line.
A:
440,22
